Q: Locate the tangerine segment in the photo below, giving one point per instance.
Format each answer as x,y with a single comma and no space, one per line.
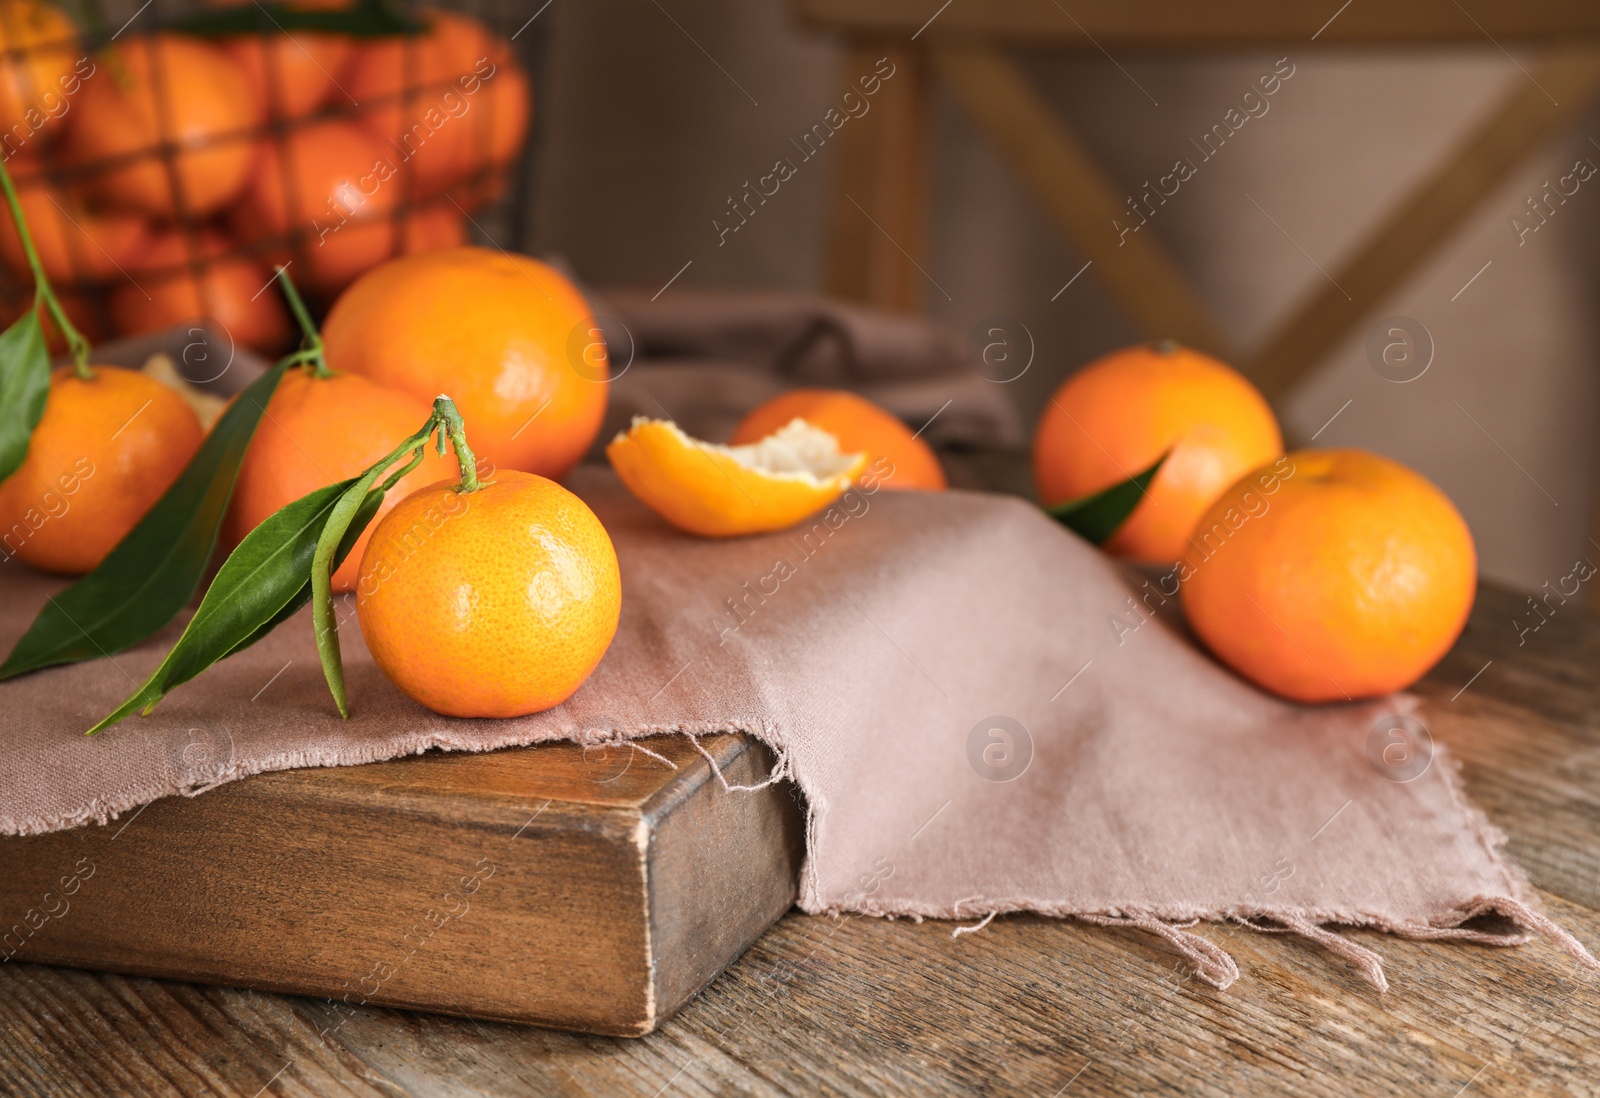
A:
106,448
898,458
1329,576
725,491
493,603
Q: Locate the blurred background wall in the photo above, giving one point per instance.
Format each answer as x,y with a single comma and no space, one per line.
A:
654,114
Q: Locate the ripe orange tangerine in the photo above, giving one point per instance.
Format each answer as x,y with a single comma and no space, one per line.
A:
494,603
38,49
1116,416
896,458
496,332
105,450
1330,575
727,491
155,89
318,430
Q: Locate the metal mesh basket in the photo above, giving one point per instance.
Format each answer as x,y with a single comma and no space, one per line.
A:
169,154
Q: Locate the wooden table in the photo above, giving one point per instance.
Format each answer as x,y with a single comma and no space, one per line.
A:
1028,1006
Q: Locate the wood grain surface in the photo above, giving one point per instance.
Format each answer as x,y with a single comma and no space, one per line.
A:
860,1006
585,888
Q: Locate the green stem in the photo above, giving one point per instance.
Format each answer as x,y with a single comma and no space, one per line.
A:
313,355
42,289
450,423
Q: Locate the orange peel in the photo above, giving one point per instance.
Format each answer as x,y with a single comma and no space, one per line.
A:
727,491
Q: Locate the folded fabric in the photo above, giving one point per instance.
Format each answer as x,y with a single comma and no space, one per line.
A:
705,359
984,713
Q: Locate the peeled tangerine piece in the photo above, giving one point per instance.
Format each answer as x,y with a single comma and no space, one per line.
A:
725,491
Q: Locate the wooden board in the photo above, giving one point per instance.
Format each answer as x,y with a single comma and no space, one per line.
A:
589,889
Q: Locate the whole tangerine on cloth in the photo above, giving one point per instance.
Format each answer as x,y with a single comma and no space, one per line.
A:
151,90
318,430
1115,417
728,491
497,602
104,451
860,426
508,338
1329,576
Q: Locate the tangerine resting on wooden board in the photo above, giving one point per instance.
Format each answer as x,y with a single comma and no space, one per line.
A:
105,450
1329,576
896,458
318,430
493,603
727,491
1115,417
496,332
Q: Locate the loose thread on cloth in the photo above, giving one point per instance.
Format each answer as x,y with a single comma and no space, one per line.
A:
780,770
1213,964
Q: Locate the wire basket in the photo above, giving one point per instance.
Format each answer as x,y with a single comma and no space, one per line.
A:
170,156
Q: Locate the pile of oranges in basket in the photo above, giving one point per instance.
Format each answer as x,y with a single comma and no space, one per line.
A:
165,173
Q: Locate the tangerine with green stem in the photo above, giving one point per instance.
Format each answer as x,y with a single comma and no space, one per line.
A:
321,427
489,599
107,444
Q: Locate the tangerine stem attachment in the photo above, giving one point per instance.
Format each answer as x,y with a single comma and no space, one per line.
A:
451,424
42,290
312,354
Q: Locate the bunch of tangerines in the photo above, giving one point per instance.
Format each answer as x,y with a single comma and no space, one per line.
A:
170,173
485,589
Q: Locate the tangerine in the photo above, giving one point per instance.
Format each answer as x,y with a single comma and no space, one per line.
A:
104,451
38,48
896,458
494,331
73,244
177,280
1115,417
293,75
327,191
421,95
493,603
155,90
1332,575
317,431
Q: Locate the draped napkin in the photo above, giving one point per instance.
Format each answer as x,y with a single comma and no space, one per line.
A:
984,713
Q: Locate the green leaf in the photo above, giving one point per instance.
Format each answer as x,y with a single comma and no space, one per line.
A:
1098,516
370,19
265,581
343,526
24,384
154,571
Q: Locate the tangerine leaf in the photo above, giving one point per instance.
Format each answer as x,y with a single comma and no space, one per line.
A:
265,581
1096,517
24,385
153,572
350,516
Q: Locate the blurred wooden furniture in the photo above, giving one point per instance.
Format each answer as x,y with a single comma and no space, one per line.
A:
880,209
861,1006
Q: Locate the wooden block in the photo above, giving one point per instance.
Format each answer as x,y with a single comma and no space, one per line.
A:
592,889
